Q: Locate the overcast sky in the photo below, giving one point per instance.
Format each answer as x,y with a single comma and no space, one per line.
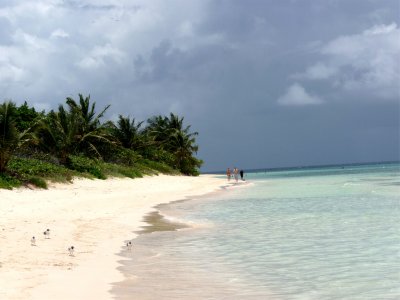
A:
265,83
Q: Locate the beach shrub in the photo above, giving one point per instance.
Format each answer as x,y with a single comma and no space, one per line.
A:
33,153
31,166
85,165
8,182
28,167
36,172
190,165
117,170
131,172
123,156
38,182
158,155
156,167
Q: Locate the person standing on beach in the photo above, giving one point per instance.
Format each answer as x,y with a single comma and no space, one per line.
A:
236,174
241,174
228,174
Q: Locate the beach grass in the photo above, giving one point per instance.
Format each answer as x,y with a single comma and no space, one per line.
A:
37,172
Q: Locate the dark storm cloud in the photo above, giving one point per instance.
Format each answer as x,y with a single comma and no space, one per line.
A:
266,83
296,21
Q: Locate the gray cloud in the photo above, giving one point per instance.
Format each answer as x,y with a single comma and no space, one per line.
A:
223,65
368,61
296,95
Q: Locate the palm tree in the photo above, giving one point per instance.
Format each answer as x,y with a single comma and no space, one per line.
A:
174,122
158,129
87,115
57,134
10,138
161,128
73,131
183,147
170,134
8,134
128,133
90,132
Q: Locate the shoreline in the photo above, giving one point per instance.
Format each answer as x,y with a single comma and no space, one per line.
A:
97,217
152,272
156,220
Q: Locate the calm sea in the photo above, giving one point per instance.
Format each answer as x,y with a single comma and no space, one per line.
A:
319,233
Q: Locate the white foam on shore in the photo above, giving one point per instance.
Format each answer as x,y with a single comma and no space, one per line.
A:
189,223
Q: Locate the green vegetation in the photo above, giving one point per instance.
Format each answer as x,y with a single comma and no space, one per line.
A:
73,141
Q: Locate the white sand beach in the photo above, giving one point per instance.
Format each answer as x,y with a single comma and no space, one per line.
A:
97,217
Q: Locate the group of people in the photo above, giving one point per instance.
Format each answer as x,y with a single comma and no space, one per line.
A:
235,173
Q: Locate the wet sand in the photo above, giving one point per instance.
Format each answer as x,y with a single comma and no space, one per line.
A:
157,222
153,270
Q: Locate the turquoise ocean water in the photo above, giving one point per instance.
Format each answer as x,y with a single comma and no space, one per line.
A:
319,233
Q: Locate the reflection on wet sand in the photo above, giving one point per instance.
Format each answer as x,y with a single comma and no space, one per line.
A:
157,222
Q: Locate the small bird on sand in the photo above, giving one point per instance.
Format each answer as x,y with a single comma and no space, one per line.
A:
47,234
33,241
71,250
129,245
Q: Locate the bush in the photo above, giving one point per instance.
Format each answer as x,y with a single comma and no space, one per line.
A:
85,165
38,182
131,173
146,164
120,170
123,156
29,166
25,168
158,155
8,182
189,166
32,152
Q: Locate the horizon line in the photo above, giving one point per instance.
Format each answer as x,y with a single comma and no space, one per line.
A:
306,166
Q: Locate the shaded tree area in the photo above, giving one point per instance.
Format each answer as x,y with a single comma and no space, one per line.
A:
75,137
170,135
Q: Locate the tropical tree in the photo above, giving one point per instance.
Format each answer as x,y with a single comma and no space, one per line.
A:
90,132
26,117
170,134
161,128
10,138
87,117
57,134
175,123
158,129
74,130
128,133
183,147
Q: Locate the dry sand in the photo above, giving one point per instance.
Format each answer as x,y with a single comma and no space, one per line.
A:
97,217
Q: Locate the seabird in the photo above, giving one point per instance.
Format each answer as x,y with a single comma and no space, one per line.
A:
47,234
129,245
33,241
71,250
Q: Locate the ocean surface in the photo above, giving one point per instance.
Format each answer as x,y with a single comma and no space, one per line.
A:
317,233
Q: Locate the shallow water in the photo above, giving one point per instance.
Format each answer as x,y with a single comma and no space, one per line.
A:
328,233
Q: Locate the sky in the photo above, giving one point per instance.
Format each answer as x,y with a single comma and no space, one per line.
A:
265,83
